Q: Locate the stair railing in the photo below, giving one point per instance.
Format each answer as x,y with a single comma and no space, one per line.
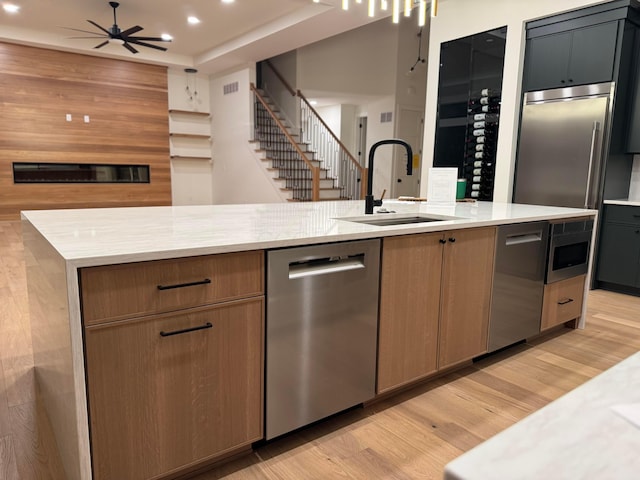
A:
336,158
351,176
287,156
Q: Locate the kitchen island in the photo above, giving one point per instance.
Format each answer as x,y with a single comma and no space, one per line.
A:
69,309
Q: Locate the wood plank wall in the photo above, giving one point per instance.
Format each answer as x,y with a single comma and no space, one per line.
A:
128,109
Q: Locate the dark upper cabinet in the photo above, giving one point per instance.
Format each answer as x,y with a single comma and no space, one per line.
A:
619,253
576,57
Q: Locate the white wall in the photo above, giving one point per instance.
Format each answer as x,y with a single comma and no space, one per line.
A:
190,179
460,18
348,128
382,167
238,174
287,65
359,62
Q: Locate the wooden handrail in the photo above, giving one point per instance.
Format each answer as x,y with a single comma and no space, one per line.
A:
361,169
315,171
281,78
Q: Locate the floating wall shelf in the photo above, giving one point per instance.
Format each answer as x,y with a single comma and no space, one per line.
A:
189,112
189,135
190,157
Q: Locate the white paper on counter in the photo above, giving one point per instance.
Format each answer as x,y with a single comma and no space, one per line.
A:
629,411
442,184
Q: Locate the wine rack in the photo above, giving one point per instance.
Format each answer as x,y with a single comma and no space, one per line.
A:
483,116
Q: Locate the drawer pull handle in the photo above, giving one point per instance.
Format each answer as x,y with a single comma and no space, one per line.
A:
187,330
564,302
182,285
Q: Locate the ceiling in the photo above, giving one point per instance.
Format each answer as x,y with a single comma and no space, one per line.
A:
229,34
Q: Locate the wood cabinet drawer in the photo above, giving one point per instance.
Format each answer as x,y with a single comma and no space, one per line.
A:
114,292
562,301
622,214
175,389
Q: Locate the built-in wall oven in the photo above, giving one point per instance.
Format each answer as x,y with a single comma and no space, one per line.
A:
569,248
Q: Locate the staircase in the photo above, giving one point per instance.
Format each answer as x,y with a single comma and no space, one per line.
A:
290,161
311,163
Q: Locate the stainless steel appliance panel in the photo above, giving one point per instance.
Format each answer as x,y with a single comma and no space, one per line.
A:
569,249
561,145
518,283
321,332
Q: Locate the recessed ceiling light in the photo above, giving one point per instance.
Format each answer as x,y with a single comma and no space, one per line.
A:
313,102
166,37
193,20
228,1
10,8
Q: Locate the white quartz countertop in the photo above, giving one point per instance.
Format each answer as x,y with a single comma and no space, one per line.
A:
633,203
592,432
89,237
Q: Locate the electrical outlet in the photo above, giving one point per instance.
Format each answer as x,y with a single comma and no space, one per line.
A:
86,119
68,117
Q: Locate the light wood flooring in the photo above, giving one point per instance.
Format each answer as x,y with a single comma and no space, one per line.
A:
409,436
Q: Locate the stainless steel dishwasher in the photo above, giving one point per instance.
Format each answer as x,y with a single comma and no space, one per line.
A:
518,283
321,331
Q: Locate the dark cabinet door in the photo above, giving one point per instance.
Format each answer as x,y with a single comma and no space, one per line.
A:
574,57
547,60
593,51
619,257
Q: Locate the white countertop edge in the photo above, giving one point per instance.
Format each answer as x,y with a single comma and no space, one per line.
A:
633,203
56,227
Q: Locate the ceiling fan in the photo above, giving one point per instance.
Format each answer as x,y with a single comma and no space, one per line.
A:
121,36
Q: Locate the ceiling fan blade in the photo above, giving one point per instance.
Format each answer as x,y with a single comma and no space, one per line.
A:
92,38
150,39
143,44
84,31
131,31
96,25
102,44
129,47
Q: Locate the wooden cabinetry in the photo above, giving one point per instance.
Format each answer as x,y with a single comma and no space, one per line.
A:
467,278
619,250
562,301
176,384
575,57
409,309
435,294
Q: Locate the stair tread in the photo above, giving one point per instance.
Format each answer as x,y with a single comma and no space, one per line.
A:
272,169
287,189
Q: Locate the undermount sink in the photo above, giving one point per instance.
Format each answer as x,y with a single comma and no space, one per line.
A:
384,220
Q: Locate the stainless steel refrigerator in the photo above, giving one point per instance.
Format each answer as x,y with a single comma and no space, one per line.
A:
563,135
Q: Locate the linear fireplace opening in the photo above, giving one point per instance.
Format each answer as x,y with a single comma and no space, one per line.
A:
27,172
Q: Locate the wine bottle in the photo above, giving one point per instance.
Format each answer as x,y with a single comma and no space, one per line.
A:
480,108
489,92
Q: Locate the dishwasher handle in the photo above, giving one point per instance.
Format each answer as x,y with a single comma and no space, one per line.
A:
325,266
523,238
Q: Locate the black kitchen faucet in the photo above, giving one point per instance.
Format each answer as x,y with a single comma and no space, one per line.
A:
369,201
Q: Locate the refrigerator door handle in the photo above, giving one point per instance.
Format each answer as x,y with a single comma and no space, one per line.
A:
592,154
